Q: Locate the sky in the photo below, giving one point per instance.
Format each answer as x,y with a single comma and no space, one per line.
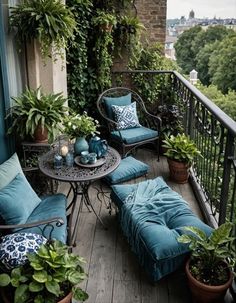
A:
202,8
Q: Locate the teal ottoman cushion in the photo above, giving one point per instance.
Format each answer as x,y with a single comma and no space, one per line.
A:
133,135
128,169
152,217
120,101
17,201
51,206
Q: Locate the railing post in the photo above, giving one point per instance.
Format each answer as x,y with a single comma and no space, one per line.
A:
228,158
190,117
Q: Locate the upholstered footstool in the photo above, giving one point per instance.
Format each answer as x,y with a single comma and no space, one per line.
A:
152,217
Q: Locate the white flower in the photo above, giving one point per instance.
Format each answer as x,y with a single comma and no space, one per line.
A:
69,123
74,127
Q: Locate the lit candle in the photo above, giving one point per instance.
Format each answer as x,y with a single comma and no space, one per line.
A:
64,150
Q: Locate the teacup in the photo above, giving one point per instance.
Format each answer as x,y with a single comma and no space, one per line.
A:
84,157
92,158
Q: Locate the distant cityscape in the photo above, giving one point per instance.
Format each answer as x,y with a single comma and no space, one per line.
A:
175,27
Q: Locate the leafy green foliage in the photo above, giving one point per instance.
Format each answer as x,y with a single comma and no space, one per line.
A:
48,21
52,272
80,125
81,78
183,47
222,65
151,58
211,52
208,253
181,148
35,108
103,18
225,101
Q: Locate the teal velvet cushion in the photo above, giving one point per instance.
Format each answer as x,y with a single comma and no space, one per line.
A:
121,101
152,217
9,169
126,116
133,135
128,169
17,201
50,206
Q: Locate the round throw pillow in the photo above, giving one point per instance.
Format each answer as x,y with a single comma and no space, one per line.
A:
14,248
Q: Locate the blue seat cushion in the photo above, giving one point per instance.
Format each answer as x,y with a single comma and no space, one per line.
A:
134,135
50,206
152,217
17,200
121,101
128,169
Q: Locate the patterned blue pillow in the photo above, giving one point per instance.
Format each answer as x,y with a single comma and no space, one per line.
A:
14,248
126,116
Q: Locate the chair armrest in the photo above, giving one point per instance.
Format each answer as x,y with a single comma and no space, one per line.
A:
59,221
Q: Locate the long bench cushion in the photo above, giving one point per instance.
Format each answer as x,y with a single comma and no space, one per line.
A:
51,206
152,217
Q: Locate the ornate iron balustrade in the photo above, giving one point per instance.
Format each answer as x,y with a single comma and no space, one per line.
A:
214,175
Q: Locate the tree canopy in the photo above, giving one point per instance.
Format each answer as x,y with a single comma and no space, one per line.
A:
212,53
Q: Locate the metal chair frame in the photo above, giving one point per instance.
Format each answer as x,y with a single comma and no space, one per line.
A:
147,119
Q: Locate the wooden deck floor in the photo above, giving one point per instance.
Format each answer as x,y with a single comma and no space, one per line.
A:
114,275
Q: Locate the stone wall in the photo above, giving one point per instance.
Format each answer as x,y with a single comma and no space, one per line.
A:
152,13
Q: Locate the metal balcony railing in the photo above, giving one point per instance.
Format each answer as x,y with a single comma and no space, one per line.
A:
213,176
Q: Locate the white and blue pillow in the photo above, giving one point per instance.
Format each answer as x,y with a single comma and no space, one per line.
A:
14,248
126,116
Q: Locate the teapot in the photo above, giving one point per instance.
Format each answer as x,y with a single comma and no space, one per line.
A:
98,146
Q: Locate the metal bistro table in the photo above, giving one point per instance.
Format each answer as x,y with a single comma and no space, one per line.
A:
80,179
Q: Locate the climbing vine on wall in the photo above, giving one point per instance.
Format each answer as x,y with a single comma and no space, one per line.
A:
101,25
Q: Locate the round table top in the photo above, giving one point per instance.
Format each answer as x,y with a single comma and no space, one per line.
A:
78,173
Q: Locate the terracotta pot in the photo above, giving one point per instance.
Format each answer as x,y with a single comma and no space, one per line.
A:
41,135
203,293
67,299
179,172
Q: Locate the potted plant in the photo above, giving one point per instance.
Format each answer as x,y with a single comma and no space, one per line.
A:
51,275
37,115
180,153
209,269
48,21
80,127
104,20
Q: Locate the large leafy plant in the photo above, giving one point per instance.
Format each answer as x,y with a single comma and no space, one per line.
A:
48,21
209,253
52,272
33,108
181,148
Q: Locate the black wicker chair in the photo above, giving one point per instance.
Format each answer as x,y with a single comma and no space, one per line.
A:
128,139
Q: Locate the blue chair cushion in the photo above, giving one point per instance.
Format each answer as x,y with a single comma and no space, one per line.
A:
50,206
134,135
152,217
17,201
128,169
109,101
14,248
9,169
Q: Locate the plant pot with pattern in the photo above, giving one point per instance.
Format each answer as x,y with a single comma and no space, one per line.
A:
37,115
181,151
210,268
51,275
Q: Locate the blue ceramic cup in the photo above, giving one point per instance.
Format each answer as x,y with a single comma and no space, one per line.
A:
92,158
84,157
